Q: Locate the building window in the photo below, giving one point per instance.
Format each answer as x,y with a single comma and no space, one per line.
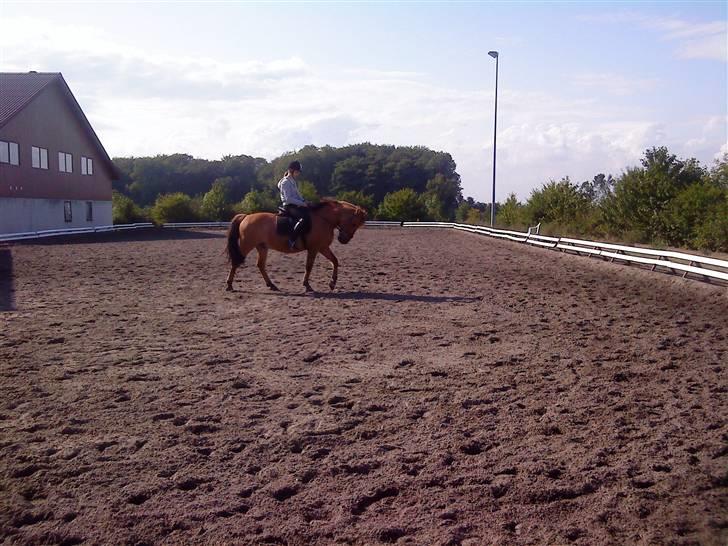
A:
65,162
9,153
39,157
67,214
89,211
87,165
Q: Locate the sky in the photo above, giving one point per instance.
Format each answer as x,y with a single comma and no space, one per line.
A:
583,88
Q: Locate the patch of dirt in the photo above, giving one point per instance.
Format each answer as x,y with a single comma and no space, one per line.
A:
454,389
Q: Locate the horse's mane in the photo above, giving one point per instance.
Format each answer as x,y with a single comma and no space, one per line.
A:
328,201
325,202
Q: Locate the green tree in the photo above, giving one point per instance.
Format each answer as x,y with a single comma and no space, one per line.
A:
308,191
442,197
145,178
559,202
257,201
510,213
712,232
643,194
718,174
215,205
688,210
357,198
173,207
461,213
374,170
403,205
475,217
598,189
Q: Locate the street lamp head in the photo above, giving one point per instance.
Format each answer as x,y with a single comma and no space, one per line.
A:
493,54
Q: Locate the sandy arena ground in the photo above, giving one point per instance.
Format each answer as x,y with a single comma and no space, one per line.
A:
455,389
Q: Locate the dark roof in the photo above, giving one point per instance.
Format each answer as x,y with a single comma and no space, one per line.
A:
17,90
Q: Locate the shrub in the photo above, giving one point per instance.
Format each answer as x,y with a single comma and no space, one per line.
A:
689,209
257,201
403,205
712,232
357,198
173,207
461,213
476,217
124,210
215,205
558,202
510,213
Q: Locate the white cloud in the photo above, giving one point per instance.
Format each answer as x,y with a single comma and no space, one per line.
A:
694,40
680,29
722,152
707,47
614,84
147,102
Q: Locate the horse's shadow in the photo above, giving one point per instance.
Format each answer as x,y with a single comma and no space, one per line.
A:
381,296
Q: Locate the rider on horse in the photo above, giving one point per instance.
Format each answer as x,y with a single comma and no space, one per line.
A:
293,202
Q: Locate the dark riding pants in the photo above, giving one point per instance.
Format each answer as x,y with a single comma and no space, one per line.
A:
303,217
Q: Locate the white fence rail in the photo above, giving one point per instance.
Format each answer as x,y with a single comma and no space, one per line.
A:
8,237
382,223
703,266
707,268
197,225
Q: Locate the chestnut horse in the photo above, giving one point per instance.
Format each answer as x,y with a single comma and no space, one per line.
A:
249,231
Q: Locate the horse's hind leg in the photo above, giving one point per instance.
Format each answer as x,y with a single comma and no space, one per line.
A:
245,249
309,266
231,277
262,256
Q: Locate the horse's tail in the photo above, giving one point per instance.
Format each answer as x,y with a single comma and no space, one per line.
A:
233,248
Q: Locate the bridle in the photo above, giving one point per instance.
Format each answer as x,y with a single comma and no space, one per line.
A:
347,236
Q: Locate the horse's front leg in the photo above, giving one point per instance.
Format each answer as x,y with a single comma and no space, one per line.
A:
309,266
330,257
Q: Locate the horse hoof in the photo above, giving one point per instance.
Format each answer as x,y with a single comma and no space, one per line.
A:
332,285
273,287
229,288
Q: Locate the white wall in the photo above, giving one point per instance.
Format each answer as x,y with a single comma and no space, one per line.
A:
18,215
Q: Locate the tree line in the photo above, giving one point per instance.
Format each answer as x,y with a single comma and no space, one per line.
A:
180,187
664,200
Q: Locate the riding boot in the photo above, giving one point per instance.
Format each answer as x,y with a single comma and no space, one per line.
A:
295,234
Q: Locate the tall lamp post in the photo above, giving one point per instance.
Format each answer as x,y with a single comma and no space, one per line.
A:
494,54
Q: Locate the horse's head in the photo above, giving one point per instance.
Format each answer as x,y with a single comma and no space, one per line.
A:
351,218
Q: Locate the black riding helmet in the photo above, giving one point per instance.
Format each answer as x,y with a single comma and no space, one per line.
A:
294,166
